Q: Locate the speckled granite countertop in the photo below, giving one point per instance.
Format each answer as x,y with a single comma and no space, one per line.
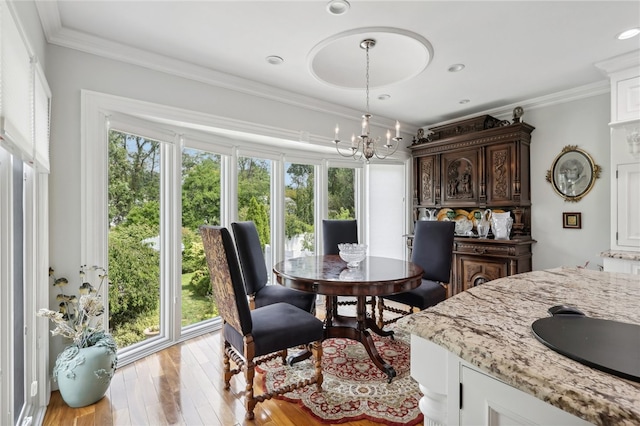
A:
490,326
619,254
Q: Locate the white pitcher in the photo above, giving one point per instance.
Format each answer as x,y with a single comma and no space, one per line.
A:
501,225
483,223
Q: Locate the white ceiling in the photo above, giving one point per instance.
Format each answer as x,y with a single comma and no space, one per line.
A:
513,50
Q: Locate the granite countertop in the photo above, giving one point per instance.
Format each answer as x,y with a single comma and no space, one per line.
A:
489,326
621,254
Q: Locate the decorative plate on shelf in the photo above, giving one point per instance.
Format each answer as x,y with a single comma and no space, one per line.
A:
460,212
471,216
442,214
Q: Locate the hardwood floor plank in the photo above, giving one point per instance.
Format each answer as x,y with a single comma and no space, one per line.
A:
210,417
118,392
103,411
121,417
135,401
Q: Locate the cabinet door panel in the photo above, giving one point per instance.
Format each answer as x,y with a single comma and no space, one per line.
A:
476,270
629,205
500,174
427,178
460,176
488,401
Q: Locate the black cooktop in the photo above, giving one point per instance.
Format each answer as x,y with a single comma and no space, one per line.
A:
609,346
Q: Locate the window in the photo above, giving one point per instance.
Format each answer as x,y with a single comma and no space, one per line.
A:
299,210
134,237
162,180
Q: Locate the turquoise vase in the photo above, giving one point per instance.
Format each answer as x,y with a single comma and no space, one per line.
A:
84,374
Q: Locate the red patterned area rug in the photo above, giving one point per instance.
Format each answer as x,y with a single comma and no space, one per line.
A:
354,388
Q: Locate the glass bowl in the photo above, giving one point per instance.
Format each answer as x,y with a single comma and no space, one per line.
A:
352,253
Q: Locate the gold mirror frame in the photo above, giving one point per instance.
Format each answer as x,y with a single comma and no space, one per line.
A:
573,173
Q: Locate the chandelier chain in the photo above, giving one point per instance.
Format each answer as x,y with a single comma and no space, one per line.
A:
367,79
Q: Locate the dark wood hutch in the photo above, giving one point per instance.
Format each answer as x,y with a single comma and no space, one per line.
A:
479,163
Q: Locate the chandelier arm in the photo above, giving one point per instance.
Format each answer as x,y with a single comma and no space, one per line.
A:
388,153
353,151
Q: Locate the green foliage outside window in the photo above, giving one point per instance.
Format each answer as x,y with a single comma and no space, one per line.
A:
341,193
134,274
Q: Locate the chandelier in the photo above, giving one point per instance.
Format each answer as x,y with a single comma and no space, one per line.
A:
365,146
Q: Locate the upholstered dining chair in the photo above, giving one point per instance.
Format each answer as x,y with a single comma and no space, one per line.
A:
252,337
337,231
433,252
256,276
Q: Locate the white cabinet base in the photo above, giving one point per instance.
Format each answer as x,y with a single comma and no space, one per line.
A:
457,393
621,265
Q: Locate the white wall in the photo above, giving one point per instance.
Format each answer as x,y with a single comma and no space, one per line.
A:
584,123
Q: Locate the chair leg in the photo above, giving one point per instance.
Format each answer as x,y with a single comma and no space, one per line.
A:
249,400
227,365
372,302
380,312
249,374
316,349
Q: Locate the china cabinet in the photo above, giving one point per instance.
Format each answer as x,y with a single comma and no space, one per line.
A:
470,166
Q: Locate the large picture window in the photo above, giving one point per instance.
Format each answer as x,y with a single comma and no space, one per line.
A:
150,185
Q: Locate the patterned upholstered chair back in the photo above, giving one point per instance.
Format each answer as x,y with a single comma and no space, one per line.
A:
226,280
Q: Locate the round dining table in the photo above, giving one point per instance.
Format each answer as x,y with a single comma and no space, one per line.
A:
329,275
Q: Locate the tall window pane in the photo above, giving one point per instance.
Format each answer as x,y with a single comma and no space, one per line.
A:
299,209
200,206
134,237
341,193
254,198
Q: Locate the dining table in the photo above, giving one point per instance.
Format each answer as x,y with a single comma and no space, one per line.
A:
329,275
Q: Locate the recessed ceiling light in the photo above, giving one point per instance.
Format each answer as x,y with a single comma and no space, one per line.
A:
274,60
628,33
456,67
464,101
383,97
338,7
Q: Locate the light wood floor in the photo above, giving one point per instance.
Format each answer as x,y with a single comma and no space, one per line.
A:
179,385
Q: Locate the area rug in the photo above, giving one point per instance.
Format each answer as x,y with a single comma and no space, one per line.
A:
353,388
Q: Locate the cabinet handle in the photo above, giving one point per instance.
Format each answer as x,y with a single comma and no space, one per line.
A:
479,250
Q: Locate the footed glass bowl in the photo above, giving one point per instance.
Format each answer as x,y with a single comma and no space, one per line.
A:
352,253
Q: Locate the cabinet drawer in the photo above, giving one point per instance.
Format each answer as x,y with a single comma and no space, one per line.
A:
481,249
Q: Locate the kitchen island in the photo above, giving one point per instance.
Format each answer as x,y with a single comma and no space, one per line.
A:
477,360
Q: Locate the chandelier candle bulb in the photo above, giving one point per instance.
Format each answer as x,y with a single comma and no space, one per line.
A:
337,130
397,129
388,137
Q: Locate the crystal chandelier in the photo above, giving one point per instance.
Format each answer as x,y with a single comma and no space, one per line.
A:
364,146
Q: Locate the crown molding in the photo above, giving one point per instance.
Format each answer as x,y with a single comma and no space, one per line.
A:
570,95
620,62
